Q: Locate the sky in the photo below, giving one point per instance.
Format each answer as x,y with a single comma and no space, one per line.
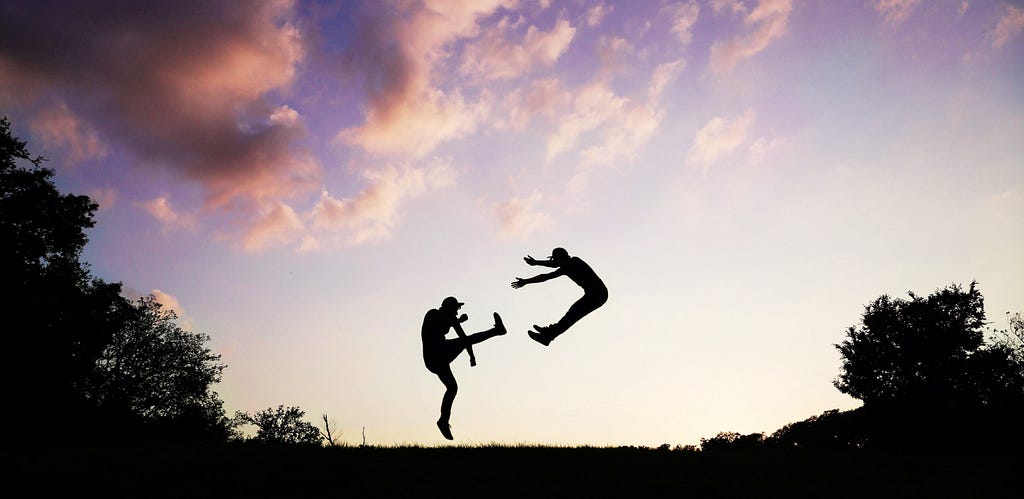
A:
302,181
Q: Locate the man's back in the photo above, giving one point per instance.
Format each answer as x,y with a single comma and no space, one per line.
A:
435,327
581,273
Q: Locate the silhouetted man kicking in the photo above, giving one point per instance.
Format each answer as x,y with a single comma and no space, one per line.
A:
439,352
595,293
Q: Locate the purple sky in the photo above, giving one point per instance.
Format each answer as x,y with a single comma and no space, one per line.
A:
303,180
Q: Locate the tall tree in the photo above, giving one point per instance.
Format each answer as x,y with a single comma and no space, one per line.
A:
58,317
161,375
914,351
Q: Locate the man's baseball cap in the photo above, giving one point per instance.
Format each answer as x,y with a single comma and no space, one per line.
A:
451,302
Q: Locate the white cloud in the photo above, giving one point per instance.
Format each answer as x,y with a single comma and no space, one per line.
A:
719,138
373,213
762,147
416,126
495,57
593,105
621,142
895,11
1010,25
662,76
770,18
544,97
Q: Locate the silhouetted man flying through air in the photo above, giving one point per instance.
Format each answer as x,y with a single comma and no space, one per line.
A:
439,352
595,293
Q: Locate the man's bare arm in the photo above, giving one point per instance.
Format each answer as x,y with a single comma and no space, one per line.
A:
544,263
462,334
520,282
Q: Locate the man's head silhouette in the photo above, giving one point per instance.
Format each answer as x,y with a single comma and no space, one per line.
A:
451,305
559,255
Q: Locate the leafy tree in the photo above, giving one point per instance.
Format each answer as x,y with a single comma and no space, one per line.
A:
282,426
730,440
161,374
830,430
57,315
914,351
927,377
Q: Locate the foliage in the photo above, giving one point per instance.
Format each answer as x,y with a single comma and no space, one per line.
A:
830,430
928,352
160,373
59,317
728,440
281,426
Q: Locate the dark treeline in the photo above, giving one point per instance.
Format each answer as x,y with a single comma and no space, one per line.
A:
86,364
928,377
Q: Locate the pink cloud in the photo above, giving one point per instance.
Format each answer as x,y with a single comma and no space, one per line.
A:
734,6
277,224
597,13
106,197
621,142
593,105
183,86
895,11
544,97
160,208
57,128
615,53
1010,25
373,212
662,76
770,19
719,138
397,50
684,16
171,303
518,217
495,57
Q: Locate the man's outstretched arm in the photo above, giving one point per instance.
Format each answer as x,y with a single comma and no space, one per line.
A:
544,263
520,282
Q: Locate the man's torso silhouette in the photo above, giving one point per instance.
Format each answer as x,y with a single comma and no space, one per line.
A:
584,276
436,353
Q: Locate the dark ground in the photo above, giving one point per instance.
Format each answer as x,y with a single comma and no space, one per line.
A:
247,471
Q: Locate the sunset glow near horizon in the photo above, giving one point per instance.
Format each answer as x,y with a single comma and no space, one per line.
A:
302,181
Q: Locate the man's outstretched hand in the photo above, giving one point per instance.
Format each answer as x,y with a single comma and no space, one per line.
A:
518,283
530,260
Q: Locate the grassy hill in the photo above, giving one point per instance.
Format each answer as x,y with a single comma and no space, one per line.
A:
505,471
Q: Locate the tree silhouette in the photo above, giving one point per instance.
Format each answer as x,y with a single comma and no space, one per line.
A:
58,317
161,374
924,371
914,350
281,426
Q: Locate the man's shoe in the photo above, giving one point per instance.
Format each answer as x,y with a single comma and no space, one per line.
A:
498,325
539,338
446,430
